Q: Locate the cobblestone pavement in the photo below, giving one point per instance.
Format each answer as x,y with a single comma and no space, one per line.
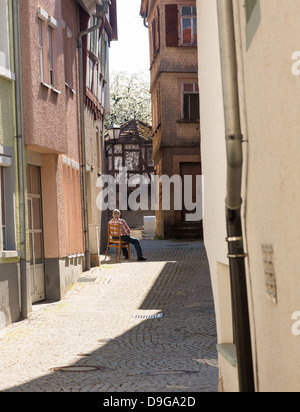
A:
144,326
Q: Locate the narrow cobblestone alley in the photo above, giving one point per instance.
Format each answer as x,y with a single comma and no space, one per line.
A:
136,326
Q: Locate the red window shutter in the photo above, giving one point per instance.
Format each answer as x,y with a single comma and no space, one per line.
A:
154,39
171,25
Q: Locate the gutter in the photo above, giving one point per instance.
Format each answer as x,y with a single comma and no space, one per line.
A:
26,304
235,239
100,25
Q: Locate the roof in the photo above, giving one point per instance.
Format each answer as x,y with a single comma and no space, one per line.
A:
136,130
89,5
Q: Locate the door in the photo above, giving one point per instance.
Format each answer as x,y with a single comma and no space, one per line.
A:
36,239
189,169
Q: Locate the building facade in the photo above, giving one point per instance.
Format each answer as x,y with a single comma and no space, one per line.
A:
175,96
10,284
133,152
50,155
95,104
266,45
49,33
63,123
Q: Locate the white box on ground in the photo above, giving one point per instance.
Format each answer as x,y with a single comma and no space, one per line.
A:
149,225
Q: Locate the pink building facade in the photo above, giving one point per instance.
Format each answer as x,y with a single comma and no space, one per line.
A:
52,132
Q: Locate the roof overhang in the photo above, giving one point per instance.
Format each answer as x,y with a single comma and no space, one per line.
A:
144,8
90,5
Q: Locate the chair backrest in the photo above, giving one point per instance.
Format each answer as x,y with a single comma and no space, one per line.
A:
114,232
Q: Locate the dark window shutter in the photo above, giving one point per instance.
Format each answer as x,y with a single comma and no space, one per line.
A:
171,25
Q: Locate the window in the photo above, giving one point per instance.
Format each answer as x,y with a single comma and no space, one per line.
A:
68,56
41,46
4,35
51,57
103,56
7,204
2,211
181,25
188,20
190,102
97,64
93,37
46,30
5,55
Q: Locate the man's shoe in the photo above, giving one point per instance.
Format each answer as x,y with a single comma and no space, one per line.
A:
141,259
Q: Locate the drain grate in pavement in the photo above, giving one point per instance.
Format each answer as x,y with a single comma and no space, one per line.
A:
153,316
78,369
86,280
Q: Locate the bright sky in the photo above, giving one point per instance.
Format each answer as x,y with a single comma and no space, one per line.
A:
131,52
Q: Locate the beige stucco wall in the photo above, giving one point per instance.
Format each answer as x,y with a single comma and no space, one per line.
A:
269,100
272,97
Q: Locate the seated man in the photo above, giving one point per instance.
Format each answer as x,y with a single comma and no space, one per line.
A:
125,235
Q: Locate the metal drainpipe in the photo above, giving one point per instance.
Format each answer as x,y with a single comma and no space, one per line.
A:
233,200
100,25
24,264
145,22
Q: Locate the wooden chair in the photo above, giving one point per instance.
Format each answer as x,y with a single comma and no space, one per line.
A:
115,241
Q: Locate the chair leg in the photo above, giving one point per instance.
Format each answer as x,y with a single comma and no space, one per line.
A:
106,253
119,253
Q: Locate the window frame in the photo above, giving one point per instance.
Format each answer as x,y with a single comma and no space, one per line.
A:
68,58
194,92
51,56
5,37
5,43
47,26
193,22
8,245
42,49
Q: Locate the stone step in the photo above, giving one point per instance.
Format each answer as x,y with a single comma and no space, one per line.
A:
188,230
